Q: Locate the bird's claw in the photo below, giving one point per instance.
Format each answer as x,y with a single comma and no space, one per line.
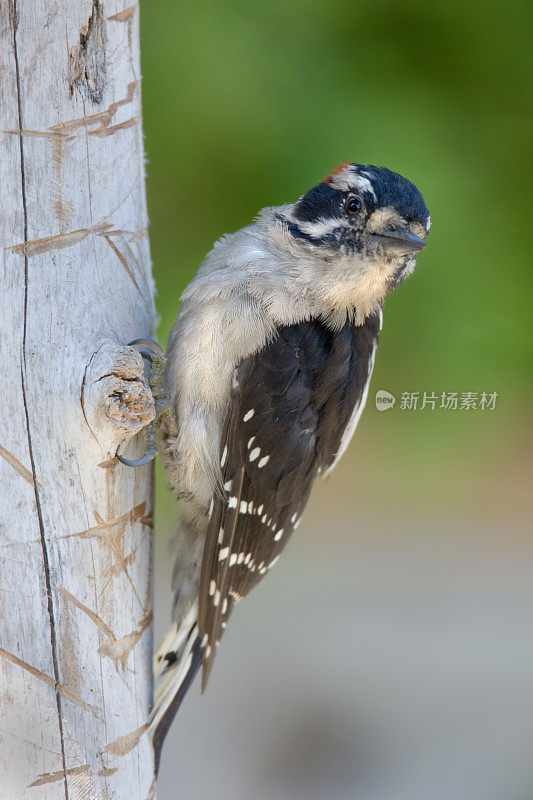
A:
136,462
148,349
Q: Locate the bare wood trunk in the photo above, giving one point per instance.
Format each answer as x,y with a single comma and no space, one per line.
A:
75,525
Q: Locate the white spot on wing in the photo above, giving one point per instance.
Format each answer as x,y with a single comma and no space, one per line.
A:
250,442
261,463
223,553
255,453
243,508
278,535
249,414
212,587
224,456
232,502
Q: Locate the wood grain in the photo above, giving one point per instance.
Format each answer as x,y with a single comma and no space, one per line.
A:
75,525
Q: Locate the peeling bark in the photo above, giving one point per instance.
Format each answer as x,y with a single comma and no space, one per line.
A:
87,59
75,525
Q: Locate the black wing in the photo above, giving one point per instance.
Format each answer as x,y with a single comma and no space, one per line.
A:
290,405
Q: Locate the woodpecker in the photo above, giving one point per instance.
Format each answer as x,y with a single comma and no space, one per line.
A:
268,368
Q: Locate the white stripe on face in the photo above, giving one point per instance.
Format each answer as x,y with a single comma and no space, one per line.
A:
350,178
320,227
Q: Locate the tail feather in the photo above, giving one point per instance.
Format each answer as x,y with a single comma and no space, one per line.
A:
168,652
178,671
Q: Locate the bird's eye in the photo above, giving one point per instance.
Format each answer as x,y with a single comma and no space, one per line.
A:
353,205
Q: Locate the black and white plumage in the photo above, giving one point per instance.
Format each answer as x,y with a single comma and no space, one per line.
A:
289,407
269,364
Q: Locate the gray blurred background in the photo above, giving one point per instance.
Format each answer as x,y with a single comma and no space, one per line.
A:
390,653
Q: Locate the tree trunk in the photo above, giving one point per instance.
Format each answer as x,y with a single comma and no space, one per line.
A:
75,525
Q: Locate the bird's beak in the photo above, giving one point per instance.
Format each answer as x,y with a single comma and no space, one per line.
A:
400,241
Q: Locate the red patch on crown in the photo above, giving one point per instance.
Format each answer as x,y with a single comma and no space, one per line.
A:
335,171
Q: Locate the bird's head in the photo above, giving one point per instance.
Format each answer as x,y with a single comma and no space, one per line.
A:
370,213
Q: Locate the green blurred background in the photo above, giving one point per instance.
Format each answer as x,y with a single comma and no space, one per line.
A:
249,104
